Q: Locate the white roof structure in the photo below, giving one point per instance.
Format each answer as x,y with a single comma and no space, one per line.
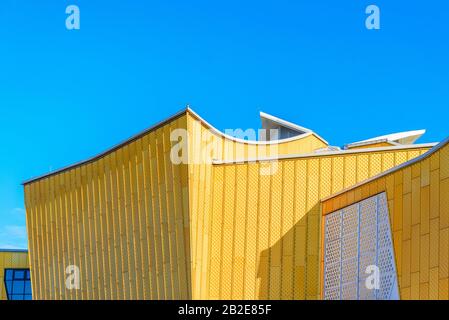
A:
287,129
400,138
268,118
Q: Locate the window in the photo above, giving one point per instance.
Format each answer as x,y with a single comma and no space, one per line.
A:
18,284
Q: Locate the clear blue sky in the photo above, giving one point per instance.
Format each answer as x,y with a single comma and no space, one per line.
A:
67,95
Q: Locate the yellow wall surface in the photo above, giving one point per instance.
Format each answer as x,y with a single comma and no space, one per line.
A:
206,144
264,230
127,218
418,203
11,260
141,227
123,219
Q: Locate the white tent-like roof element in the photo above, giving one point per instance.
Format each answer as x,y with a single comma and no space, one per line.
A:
400,138
286,129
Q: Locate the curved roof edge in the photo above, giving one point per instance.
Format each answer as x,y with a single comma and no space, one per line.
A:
325,153
110,150
436,148
224,135
156,126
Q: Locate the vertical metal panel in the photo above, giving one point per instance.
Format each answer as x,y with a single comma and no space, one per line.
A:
85,264
110,236
251,240
240,222
216,242
148,241
275,235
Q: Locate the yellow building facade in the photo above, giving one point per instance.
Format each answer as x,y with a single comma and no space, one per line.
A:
183,211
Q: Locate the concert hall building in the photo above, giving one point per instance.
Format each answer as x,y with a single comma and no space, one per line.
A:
184,211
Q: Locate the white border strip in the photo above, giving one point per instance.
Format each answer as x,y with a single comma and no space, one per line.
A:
218,132
112,149
326,153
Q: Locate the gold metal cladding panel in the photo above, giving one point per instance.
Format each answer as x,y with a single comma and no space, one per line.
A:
285,207
11,260
122,219
418,199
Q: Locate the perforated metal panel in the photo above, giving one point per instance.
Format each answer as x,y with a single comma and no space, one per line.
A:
357,237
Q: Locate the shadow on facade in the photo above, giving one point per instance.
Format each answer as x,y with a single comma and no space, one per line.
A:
290,268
